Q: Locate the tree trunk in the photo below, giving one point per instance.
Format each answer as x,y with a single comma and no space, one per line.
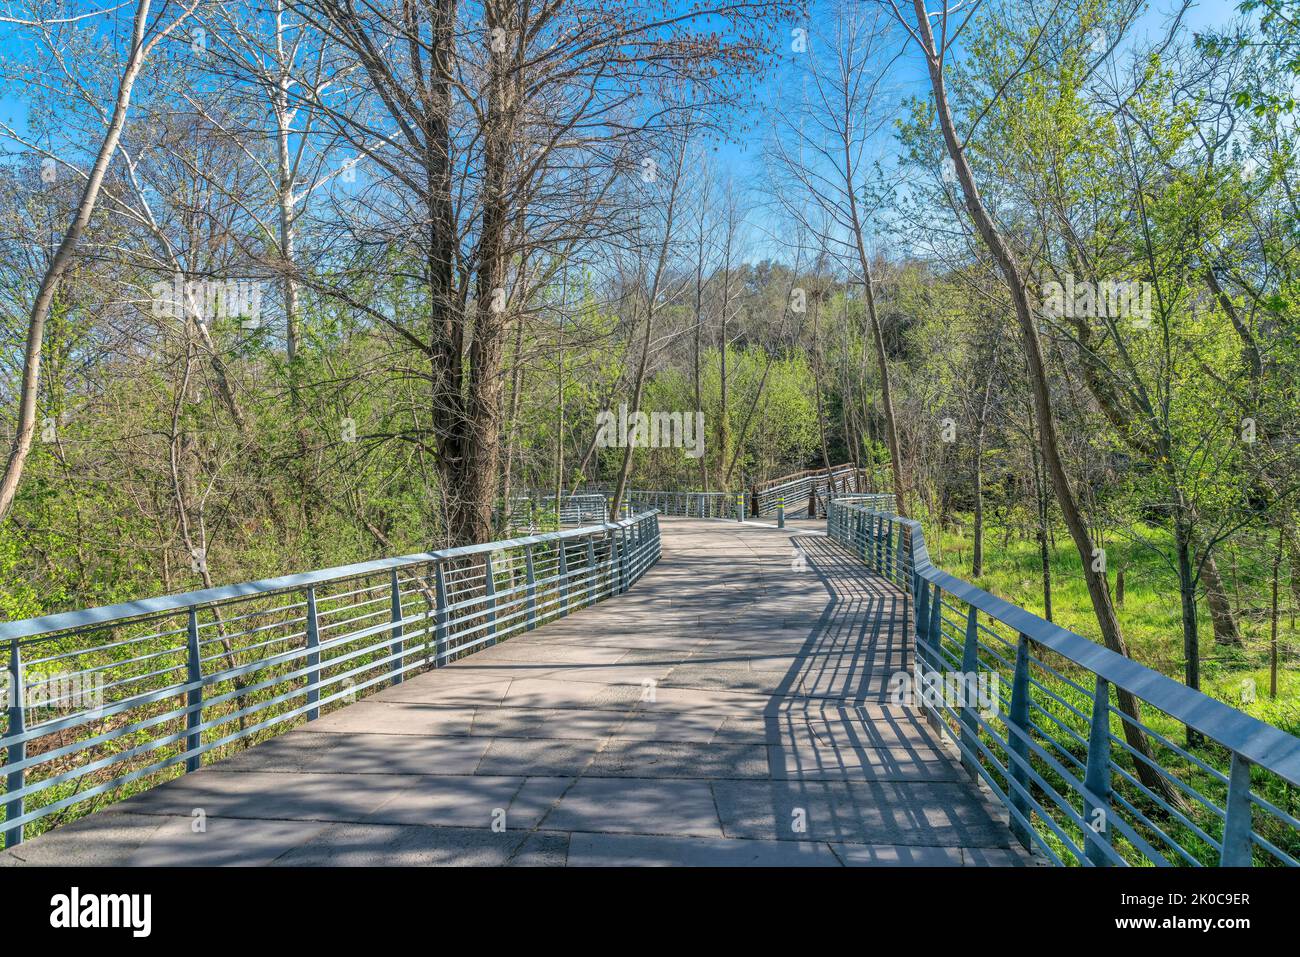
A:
1221,613
977,548
63,257
1098,591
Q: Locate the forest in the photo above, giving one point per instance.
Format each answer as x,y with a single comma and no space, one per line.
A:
292,284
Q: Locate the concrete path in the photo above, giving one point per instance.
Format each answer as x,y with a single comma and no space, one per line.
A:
730,710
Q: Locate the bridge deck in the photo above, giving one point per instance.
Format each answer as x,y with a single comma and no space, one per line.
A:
730,697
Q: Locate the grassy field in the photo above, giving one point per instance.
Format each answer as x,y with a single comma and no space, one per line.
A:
1149,615
1151,622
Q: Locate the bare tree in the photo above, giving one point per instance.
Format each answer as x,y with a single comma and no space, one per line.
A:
822,146
144,38
935,53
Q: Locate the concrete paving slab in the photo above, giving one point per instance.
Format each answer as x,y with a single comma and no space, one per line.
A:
631,757
475,801
538,756
636,806
558,723
396,717
924,814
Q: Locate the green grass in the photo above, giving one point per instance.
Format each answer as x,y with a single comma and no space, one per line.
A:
1150,615
1151,621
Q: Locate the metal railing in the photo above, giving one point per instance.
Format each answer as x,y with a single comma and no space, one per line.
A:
528,512
803,487
1035,712
112,698
874,501
687,504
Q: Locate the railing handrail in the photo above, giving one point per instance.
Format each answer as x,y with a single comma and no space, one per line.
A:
122,611
1258,741
836,470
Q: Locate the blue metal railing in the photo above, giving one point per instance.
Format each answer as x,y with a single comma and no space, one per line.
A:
110,698
1050,739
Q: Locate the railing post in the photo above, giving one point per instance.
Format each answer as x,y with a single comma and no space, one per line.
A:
591,571
530,590
934,623
922,593
888,532
900,551
440,617
624,559
194,697
611,562
1018,747
970,663
490,598
17,752
564,578
313,656
618,559
1235,850
1096,778
397,633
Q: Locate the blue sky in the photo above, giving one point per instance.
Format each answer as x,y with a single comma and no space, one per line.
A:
743,157
740,155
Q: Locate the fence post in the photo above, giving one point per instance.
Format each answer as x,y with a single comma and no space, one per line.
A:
440,616
1017,746
313,656
1235,850
17,752
530,590
490,598
970,663
397,633
194,697
1096,777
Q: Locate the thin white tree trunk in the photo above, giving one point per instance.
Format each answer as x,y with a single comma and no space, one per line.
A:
63,256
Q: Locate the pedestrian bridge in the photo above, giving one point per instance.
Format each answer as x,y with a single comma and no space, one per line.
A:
663,690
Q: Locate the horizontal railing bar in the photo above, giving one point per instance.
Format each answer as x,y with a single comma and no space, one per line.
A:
66,621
